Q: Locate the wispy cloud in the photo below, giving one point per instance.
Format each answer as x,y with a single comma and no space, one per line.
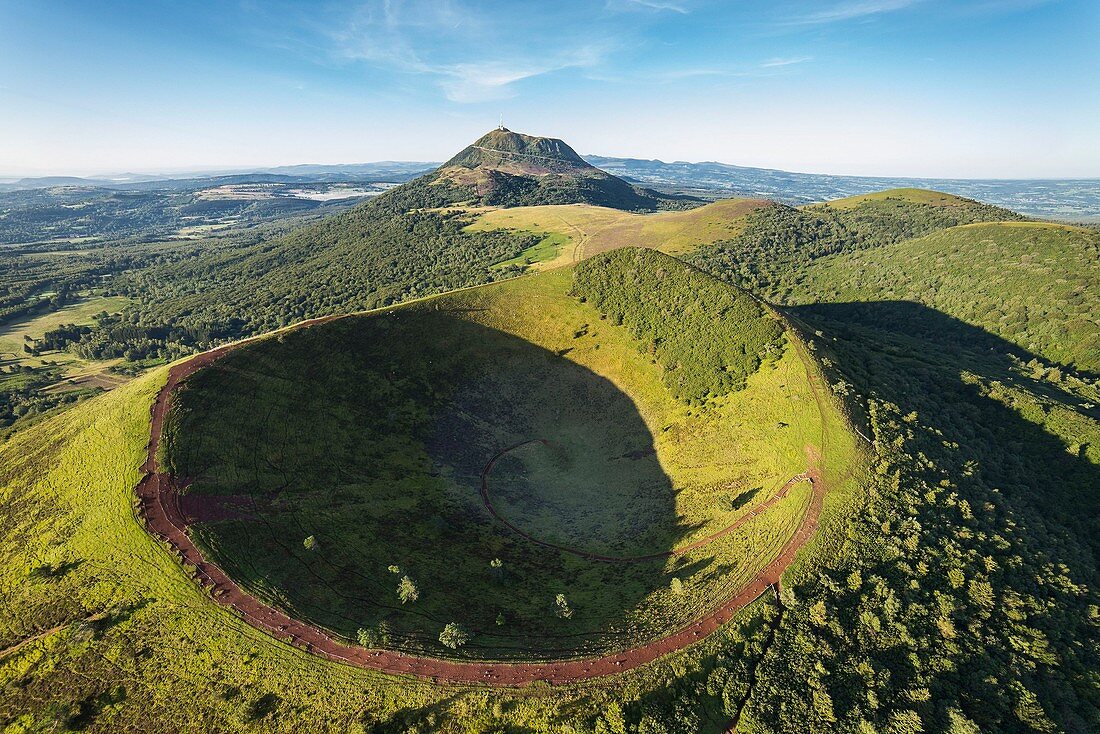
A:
763,68
852,10
471,57
774,63
646,5
487,80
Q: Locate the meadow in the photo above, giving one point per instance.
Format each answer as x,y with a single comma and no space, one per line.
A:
591,230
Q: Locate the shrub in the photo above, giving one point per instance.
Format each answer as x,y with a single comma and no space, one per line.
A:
562,608
454,635
707,337
406,590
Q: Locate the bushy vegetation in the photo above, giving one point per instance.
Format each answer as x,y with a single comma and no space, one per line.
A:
965,597
779,240
707,337
1033,284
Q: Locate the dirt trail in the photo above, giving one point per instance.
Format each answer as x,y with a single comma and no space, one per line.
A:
45,633
488,502
159,508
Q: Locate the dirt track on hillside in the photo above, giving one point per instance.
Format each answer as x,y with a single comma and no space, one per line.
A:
488,502
159,508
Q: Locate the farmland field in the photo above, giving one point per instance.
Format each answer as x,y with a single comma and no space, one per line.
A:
81,312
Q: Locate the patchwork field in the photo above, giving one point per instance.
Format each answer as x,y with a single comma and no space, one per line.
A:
66,370
339,491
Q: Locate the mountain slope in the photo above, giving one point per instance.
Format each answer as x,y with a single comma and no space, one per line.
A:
778,240
1027,282
505,168
408,242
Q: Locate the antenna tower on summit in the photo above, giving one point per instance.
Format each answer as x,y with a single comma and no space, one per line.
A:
501,125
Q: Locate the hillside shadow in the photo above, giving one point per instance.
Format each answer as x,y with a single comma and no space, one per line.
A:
924,360
376,451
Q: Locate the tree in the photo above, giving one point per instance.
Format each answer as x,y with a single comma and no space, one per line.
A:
454,635
562,608
406,590
676,585
310,543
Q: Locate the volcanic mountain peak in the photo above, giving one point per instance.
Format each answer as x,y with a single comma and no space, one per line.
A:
505,168
516,153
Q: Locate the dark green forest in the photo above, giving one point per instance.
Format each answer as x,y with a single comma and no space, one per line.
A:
965,598
707,337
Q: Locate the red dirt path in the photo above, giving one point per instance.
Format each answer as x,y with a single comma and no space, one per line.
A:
159,507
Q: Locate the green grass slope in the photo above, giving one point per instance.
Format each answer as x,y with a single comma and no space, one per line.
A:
590,230
900,196
1030,283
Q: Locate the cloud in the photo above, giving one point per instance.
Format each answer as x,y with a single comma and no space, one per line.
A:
854,9
761,69
774,63
646,5
487,80
473,57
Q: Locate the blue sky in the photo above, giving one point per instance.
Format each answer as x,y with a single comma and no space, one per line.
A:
967,88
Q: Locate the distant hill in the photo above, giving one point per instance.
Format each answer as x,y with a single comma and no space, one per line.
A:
505,168
778,240
1065,199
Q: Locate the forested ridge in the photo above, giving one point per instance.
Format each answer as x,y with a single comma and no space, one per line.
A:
965,599
707,337
779,240
1033,284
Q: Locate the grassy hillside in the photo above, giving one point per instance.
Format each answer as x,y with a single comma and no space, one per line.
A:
1032,284
777,241
909,196
390,434
591,230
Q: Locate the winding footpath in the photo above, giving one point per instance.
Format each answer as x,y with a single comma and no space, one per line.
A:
158,495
